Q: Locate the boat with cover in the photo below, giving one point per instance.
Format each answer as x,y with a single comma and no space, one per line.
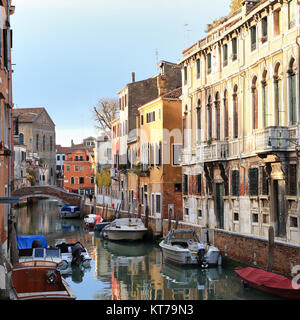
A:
39,280
70,212
130,229
89,220
268,282
183,246
35,247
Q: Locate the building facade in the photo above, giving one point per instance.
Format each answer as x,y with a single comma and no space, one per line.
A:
37,131
131,97
6,105
240,108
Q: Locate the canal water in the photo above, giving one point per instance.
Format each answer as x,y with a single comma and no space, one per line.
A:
129,271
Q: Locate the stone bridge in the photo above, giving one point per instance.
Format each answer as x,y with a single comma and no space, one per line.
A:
49,192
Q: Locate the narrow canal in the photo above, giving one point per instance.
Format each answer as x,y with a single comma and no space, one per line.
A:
124,271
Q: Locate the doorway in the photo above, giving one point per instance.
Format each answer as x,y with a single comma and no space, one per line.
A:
220,205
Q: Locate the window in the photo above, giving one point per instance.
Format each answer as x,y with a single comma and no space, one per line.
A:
278,96
199,213
158,154
21,138
225,55
58,157
264,29
292,92
68,168
81,168
76,168
293,222
234,49
198,68
265,183
209,118
236,216
235,183
226,126
51,143
37,142
292,179
255,218
176,154
81,180
265,105
199,184
152,203
185,75
291,14
177,187
158,203
142,119
72,180
63,157
253,38
44,143
253,181
185,184
276,23
217,116
199,120
254,104
235,112
209,63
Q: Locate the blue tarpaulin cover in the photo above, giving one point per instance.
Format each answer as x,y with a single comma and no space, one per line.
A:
25,242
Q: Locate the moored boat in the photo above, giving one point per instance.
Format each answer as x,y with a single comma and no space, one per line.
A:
89,220
35,247
39,280
70,212
268,282
183,246
129,229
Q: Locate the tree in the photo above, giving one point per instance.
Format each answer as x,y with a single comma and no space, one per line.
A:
235,5
104,112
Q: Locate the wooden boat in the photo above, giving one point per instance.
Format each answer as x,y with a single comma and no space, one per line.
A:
40,280
268,282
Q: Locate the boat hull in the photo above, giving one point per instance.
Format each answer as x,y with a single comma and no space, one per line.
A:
117,235
70,215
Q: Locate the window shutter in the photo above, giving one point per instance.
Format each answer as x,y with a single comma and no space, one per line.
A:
199,183
235,183
253,181
292,180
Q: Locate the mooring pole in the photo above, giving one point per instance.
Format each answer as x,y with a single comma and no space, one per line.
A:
177,219
270,248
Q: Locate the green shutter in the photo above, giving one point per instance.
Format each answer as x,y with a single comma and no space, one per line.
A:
253,181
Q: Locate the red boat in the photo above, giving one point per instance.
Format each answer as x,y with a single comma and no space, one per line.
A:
268,282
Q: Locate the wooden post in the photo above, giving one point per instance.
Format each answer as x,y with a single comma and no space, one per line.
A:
270,249
177,219
140,211
13,243
146,216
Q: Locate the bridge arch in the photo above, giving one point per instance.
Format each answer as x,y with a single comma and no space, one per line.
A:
50,192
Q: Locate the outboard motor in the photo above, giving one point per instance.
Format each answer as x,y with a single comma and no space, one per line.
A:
201,256
37,244
77,249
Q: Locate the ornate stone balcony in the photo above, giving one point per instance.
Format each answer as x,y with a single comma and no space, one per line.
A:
213,151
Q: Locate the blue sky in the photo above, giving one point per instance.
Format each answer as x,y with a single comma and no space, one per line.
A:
70,53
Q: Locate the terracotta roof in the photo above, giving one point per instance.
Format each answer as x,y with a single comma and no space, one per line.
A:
174,94
62,150
27,114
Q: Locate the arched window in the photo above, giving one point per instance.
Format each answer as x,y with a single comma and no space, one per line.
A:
198,108
279,112
209,118
292,91
235,112
226,126
217,113
44,143
72,180
254,104
21,138
265,106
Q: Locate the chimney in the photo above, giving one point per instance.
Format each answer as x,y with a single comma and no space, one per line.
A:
133,77
162,85
247,5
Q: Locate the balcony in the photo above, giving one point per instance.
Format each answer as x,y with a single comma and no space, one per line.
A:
213,151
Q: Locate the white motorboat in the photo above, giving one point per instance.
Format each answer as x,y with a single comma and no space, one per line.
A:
183,246
125,229
70,212
89,220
